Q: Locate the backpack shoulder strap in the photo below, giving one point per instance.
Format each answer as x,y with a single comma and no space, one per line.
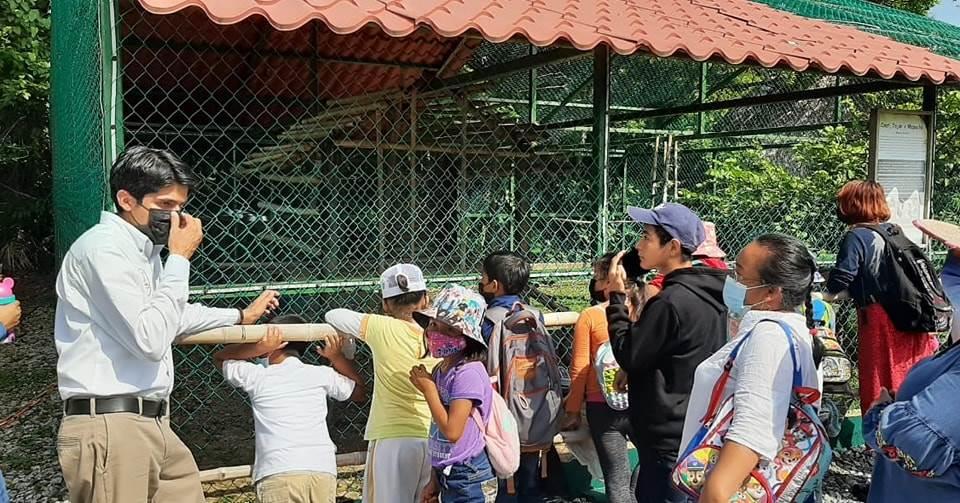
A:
717,394
495,315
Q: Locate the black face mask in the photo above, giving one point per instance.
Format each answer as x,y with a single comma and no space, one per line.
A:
158,226
487,297
596,296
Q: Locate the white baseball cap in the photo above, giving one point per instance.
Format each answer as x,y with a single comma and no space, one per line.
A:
401,279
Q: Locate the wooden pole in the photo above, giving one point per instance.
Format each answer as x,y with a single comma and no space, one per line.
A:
314,331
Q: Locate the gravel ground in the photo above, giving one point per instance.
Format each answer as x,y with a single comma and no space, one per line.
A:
29,404
30,412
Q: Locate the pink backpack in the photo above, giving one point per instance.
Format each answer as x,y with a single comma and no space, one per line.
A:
501,436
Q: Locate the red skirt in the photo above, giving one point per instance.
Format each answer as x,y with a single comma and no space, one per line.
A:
886,354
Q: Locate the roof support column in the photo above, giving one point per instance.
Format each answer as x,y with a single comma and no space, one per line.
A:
601,140
930,105
702,95
532,110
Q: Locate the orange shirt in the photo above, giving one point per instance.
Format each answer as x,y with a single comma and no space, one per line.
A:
589,334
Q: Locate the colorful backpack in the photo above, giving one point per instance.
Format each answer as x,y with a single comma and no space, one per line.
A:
801,463
836,366
6,298
523,361
501,436
607,367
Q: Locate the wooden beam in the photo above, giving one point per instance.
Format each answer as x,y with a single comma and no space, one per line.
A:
506,68
241,334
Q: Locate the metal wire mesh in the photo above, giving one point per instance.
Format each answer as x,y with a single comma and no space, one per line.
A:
77,87
326,158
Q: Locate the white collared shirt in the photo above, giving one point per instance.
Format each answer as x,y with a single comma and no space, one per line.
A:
289,403
118,311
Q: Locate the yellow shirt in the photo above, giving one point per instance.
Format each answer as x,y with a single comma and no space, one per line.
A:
398,410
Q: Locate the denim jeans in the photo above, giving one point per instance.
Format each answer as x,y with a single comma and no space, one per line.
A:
472,481
609,429
4,497
654,484
526,481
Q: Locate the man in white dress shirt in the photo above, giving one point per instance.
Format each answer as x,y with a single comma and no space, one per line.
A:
119,309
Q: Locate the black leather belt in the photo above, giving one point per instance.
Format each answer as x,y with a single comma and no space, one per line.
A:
115,404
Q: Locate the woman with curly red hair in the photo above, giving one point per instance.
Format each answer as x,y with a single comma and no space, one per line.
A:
886,354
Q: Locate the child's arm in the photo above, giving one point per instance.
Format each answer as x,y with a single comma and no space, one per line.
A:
332,350
271,342
451,423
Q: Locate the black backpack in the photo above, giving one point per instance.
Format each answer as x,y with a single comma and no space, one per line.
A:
914,300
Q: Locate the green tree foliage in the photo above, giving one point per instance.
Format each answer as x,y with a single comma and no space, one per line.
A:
915,6
25,218
746,190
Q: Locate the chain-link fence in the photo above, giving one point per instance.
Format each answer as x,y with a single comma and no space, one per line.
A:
326,158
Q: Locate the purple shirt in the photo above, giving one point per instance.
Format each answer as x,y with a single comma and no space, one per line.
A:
468,381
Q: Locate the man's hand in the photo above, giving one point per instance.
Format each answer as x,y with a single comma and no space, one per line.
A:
616,276
272,341
431,493
10,315
571,421
620,381
422,380
186,233
332,348
883,399
266,303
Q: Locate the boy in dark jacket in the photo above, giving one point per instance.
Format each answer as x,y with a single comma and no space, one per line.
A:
678,328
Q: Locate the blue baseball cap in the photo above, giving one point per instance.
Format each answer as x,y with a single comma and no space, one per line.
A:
679,221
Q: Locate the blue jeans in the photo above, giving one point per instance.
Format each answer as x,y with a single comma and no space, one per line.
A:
471,481
526,481
4,497
654,484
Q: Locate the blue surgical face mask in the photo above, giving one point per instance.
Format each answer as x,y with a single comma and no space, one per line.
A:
263,362
734,297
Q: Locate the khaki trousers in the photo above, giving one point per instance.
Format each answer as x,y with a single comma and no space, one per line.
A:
298,487
126,458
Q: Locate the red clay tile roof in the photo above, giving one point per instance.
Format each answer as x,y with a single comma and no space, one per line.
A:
734,30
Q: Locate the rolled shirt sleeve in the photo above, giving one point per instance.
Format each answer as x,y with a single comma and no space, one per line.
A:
763,374
920,435
338,386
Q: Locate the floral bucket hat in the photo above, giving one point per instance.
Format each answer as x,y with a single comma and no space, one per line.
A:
458,307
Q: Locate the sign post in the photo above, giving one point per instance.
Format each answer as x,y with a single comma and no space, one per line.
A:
900,160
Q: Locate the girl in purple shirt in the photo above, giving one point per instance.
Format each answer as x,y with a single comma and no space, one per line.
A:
459,394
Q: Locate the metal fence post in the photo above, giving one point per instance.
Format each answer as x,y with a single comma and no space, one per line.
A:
601,139
930,105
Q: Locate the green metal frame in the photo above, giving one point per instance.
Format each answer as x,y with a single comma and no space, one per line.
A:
809,94
507,68
601,140
112,94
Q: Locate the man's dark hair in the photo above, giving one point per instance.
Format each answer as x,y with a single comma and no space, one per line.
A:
144,170
510,269
790,266
407,299
665,238
298,347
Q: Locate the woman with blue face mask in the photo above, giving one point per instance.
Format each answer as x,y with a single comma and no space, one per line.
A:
772,283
